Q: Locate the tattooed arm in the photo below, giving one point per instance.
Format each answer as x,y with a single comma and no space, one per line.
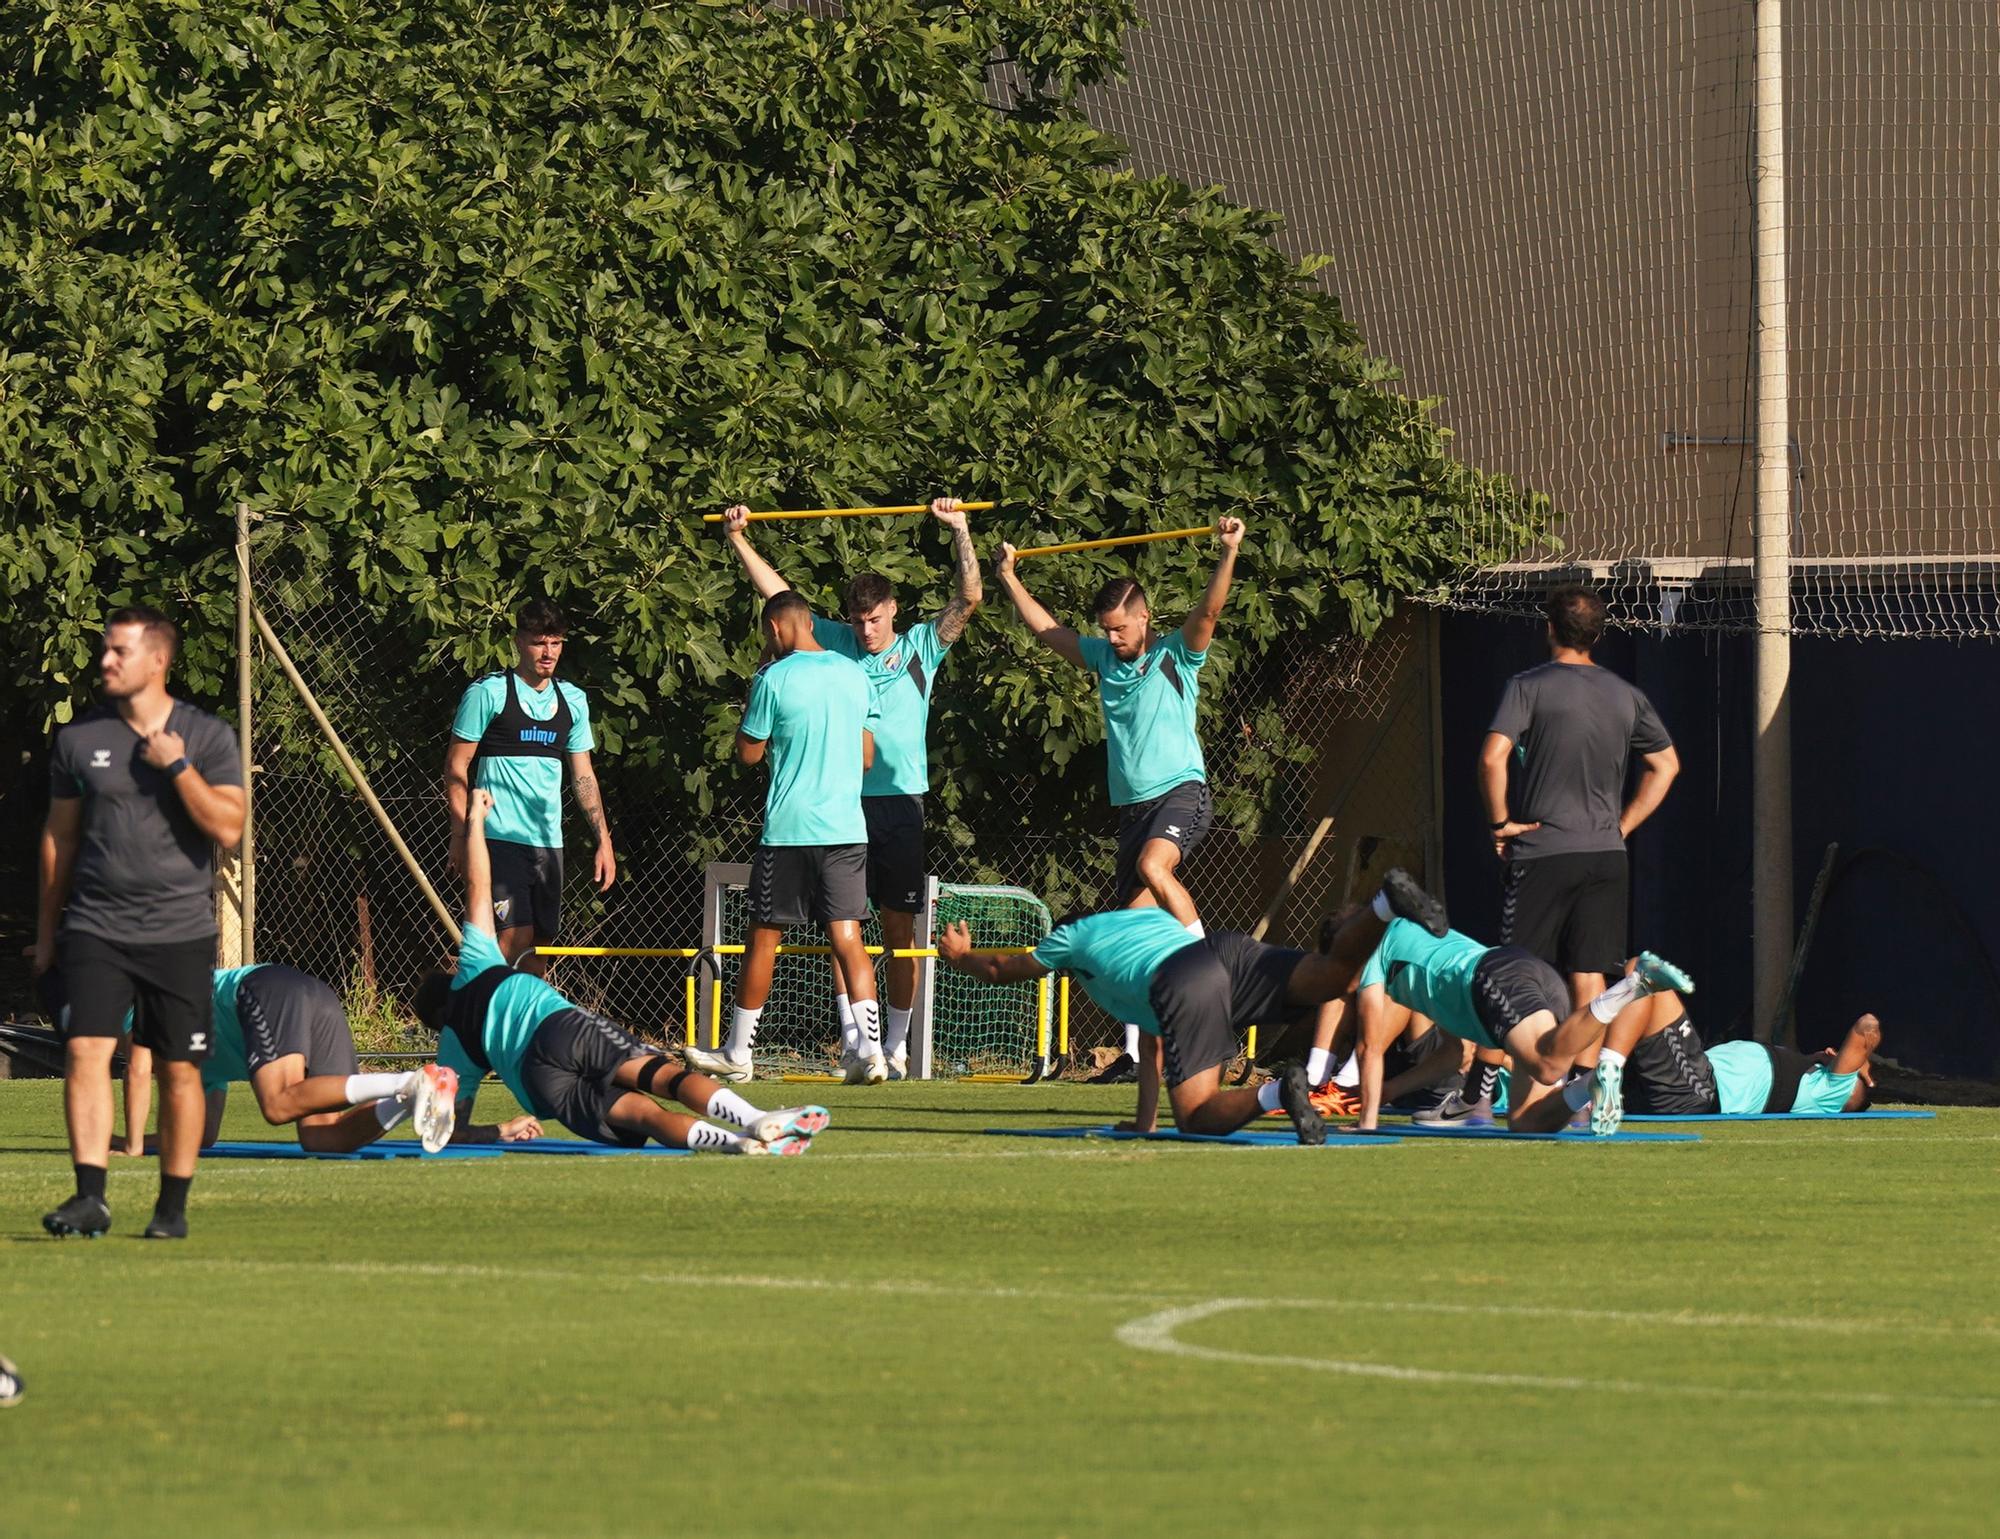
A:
584,778
957,614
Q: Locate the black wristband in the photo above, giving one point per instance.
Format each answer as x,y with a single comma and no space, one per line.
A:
174,770
1496,827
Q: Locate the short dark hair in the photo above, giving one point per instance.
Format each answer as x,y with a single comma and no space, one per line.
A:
433,994
866,591
783,603
162,633
538,617
1576,615
1118,593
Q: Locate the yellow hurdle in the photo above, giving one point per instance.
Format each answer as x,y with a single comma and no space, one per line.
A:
899,509
1042,1019
715,1016
1062,1016
691,1005
1123,539
1250,1047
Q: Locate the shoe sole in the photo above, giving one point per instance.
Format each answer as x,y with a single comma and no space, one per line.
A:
1607,1104
63,1231
434,1111
793,1122
1295,1095
1411,902
1662,975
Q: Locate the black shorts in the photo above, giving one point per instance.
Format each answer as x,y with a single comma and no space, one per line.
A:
1204,994
1569,910
1509,985
169,991
792,883
1669,1074
567,1073
1182,816
895,851
527,888
283,1011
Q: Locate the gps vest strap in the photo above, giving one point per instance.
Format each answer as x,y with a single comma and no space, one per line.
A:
465,1013
514,734
1787,1070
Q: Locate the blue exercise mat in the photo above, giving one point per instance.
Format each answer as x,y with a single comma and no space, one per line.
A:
1242,1136
1432,1130
409,1148
1860,1116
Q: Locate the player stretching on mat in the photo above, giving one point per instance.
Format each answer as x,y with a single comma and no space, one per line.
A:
567,1065
1495,997
812,713
1654,1063
1192,994
902,668
1148,686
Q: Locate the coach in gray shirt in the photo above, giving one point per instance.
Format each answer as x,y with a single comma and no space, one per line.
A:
141,790
1573,727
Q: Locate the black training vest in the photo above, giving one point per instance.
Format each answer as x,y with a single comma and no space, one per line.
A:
514,734
1788,1068
465,1013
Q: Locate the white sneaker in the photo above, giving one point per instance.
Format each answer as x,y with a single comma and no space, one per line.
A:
731,1071
899,1064
434,1105
788,1131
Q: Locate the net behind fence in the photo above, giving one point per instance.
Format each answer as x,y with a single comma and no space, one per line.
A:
1542,214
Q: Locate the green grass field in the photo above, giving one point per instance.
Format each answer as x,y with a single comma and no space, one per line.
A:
918,1330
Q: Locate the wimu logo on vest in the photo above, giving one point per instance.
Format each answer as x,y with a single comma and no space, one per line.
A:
542,735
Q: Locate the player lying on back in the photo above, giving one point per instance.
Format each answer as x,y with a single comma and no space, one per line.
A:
286,1035
1191,995
1653,1062
567,1065
1491,996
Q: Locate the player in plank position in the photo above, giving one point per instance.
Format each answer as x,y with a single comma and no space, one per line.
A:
565,1064
1495,997
285,1035
902,669
1148,686
1192,994
1653,1062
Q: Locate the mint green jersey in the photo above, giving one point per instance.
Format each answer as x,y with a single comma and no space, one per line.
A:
1743,1082
1432,975
902,675
1149,716
1115,955
812,708
527,792
513,1015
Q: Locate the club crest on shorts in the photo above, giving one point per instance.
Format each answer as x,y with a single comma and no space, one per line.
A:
503,910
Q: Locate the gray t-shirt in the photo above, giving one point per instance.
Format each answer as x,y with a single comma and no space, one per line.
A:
144,873
1574,728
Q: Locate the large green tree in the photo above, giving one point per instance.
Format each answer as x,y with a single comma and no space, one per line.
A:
477,300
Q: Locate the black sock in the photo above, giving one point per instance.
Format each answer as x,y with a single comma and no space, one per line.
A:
1485,1080
173,1196
90,1181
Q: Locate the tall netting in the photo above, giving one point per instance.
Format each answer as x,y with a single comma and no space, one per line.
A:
1542,213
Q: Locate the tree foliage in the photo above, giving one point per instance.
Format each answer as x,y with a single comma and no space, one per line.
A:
475,301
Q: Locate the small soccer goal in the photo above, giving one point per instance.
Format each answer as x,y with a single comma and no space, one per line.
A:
960,1027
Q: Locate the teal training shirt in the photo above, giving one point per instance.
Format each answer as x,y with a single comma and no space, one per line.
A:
812,708
1743,1081
527,793
902,675
1432,975
1149,716
514,1014
1114,957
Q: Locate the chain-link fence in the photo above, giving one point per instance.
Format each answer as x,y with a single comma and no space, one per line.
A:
1314,728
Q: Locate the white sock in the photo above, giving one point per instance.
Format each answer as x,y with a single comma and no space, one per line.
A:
727,1106
846,1008
1349,1075
1576,1094
363,1088
1195,929
1607,1005
867,1027
1607,1055
1319,1064
391,1110
1267,1096
1381,907
1131,1042
742,1032
706,1136
897,1038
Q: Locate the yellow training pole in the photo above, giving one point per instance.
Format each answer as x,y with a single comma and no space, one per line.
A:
1123,539
900,508
690,1007
715,1016
1062,1016
1042,1019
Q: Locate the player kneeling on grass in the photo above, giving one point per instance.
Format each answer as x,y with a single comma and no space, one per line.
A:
1497,997
1191,995
565,1064
1654,1063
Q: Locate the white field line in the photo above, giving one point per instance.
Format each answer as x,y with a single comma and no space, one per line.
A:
907,1288
1157,1333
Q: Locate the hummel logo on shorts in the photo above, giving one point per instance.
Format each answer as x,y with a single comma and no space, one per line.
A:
1173,830
198,1042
